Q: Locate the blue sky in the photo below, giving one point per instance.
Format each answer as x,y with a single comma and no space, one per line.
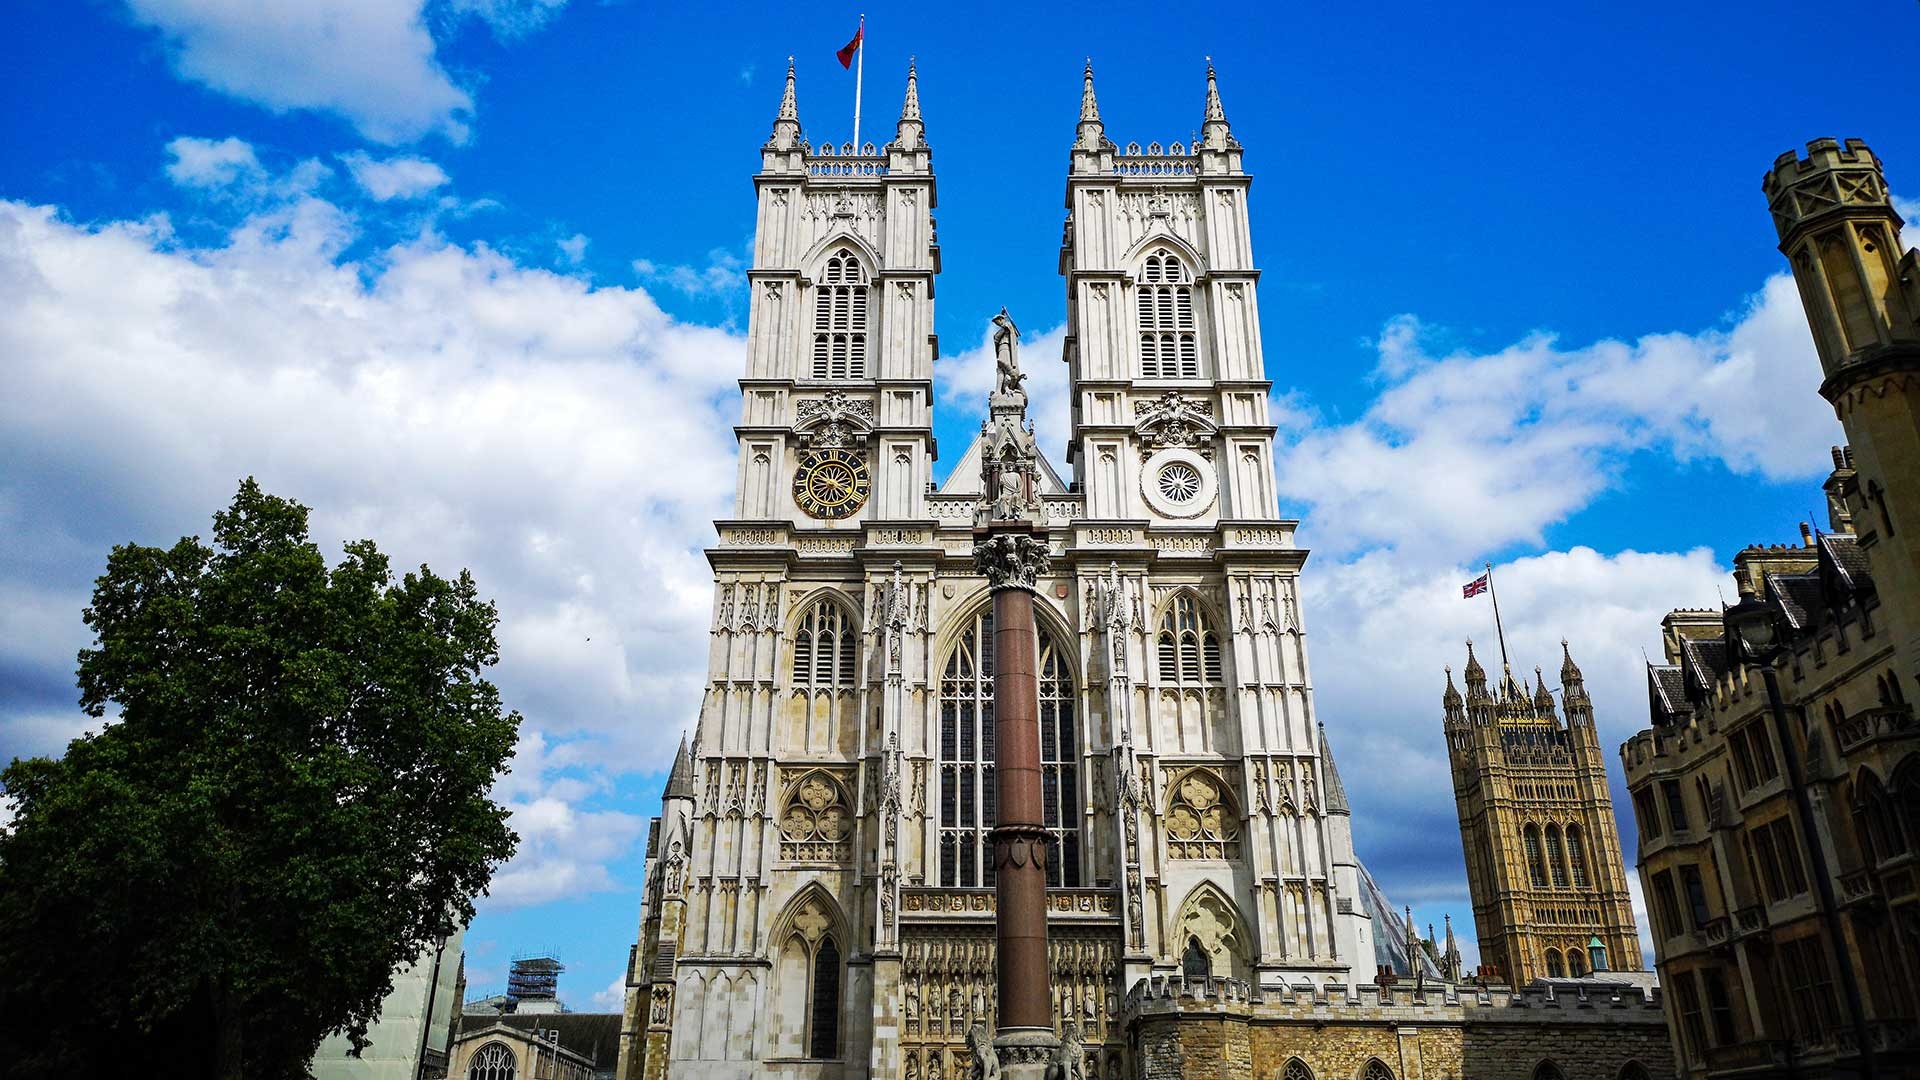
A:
466,277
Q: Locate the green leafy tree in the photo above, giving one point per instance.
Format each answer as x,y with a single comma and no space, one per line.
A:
292,803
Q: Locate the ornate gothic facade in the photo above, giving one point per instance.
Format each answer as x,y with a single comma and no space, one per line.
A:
817,901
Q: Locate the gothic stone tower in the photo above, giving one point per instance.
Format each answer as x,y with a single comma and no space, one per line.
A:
1544,866
1227,828
818,900
1841,235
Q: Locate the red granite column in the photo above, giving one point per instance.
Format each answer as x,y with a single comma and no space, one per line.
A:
1019,835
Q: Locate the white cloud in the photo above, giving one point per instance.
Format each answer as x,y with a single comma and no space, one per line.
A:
724,272
965,379
573,248
614,998
394,178
209,163
510,18
1465,452
569,444
370,61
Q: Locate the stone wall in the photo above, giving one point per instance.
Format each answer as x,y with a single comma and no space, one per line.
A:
1224,1028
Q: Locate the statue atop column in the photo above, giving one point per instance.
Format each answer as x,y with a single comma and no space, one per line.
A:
1006,358
1009,457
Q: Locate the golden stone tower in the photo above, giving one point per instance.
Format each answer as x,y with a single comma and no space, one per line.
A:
1544,866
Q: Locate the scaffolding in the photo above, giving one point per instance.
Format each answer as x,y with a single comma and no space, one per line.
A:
534,977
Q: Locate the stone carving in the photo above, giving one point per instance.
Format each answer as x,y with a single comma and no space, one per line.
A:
1200,823
673,870
662,1003
1070,1057
1175,420
1006,356
834,421
889,885
1011,561
986,1063
815,822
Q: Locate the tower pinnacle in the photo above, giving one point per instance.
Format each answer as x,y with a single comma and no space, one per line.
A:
909,133
786,125
1091,132
1215,133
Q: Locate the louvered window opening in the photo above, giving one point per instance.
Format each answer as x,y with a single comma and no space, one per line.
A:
823,649
1536,867
1169,346
966,762
1577,856
840,320
1189,649
1556,857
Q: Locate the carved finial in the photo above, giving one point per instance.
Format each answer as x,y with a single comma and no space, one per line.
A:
789,108
911,109
1214,130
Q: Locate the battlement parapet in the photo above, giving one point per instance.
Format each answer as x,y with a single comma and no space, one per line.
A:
1570,1002
1832,177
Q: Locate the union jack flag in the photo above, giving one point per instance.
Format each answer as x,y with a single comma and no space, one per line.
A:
1474,588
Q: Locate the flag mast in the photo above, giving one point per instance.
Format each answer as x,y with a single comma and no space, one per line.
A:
1497,628
859,71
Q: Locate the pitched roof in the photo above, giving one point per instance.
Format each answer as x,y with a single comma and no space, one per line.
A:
594,1036
1336,791
1799,597
1668,691
1849,562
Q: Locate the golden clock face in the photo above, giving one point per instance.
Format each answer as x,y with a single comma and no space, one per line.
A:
831,483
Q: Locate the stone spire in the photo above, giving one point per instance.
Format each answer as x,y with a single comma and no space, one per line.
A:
1215,133
786,126
1476,675
1574,686
909,132
1451,698
1542,698
1091,132
1451,957
1570,676
1336,793
680,780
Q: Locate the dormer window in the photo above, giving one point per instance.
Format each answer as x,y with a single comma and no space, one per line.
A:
840,320
1168,343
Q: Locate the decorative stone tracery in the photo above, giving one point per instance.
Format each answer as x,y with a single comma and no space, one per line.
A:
1202,821
816,819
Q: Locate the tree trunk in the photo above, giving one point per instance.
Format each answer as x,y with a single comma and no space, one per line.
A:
228,1063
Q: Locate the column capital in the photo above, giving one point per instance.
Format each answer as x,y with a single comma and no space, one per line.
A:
1010,555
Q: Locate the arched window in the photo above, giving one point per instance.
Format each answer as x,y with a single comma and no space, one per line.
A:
1876,822
1189,649
823,1028
1556,857
1194,963
806,1014
491,1062
823,648
1577,856
1554,969
1164,295
1536,866
1296,1070
840,319
1547,1070
1576,963
966,760
1633,1070
1377,1070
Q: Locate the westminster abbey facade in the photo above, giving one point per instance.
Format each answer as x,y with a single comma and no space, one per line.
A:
817,903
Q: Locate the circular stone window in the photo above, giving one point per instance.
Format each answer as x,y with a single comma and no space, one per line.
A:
1178,483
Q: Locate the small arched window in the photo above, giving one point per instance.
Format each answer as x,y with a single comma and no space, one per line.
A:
823,648
1164,298
1194,963
1189,649
1576,963
1577,856
1536,865
1633,1070
840,319
492,1062
1547,1070
1377,1070
1296,1070
1556,857
1554,969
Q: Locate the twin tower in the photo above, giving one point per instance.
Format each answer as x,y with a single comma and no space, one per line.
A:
820,898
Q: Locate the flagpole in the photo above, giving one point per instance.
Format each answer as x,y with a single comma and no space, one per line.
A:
859,71
1497,628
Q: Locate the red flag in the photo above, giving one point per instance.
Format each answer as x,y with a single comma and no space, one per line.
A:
1474,588
846,54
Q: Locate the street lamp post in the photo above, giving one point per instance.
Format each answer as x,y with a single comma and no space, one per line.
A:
1751,621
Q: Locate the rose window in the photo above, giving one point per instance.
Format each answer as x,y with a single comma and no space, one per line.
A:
1200,822
1180,482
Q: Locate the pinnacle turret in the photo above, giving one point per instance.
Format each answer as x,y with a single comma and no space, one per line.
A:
680,780
909,133
1215,133
786,126
1091,133
1451,699
1476,675
1336,794
1542,697
1569,671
